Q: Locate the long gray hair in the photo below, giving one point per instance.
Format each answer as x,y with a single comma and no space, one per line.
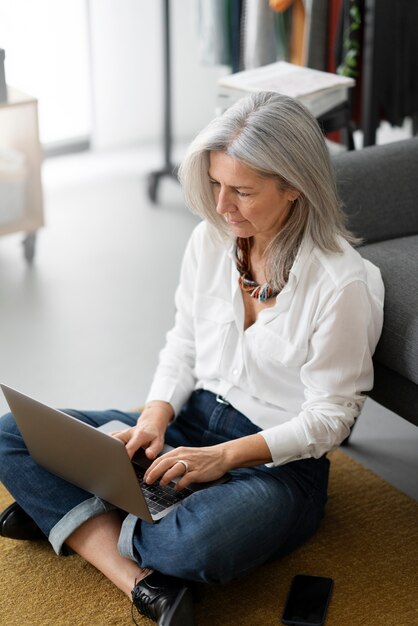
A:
278,138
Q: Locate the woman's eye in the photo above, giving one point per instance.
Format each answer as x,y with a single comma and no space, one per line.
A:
241,194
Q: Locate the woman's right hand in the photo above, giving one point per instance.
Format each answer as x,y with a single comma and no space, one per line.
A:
150,430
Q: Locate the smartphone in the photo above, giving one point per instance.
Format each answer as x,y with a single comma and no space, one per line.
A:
308,600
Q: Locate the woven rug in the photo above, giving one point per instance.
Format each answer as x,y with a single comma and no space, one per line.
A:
368,543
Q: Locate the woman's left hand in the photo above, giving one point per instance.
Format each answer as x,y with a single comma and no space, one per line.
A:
198,465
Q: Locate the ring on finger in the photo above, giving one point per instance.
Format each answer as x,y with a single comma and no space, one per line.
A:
185,463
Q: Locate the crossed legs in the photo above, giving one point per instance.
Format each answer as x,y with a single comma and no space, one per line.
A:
96,541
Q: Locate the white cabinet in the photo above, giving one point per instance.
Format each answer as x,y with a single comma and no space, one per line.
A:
21,203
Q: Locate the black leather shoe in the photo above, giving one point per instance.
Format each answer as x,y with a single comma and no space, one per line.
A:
164,599
16,524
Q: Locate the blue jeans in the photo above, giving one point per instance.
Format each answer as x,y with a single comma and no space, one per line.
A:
215,535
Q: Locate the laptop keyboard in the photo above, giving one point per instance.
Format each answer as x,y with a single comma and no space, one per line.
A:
159,497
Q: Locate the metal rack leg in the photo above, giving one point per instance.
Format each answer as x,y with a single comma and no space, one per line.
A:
154,180
169,169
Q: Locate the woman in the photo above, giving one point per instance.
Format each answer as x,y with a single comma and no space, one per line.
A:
263,373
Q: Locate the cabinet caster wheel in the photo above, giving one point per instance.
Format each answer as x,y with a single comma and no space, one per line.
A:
29,247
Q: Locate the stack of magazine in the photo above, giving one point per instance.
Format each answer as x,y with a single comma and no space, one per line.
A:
319,91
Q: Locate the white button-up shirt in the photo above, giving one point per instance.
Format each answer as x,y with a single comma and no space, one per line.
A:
301,370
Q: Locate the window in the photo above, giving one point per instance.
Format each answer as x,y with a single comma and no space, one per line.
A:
47,56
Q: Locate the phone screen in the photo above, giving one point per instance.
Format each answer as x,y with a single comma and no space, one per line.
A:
307,601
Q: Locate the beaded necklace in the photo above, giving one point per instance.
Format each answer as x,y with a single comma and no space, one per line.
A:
245,279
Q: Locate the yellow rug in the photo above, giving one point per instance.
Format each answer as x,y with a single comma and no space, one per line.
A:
368,543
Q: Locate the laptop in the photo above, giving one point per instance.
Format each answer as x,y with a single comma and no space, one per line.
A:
92,459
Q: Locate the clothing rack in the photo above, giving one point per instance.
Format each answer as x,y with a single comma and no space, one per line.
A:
168,169
374,43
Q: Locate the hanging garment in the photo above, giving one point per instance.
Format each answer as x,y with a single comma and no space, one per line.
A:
241,33
236,7
334,48
395,66
259,34
297,52
316,34
213,32
382,52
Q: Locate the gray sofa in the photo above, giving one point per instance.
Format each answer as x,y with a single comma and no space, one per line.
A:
379,188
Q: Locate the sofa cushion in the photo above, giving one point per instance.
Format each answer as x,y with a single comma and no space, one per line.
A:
395,392
379,190
398,262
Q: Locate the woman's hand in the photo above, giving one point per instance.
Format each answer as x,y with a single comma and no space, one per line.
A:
150,430
199,465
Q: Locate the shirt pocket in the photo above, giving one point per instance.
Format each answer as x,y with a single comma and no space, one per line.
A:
269,345
212,319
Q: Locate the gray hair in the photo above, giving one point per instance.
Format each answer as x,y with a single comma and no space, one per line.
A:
278,138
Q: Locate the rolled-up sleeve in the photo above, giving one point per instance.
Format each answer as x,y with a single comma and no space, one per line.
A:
337,373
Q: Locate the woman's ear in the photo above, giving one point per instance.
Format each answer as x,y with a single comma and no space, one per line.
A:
293,195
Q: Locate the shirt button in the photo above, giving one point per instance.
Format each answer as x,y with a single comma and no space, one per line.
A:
235,372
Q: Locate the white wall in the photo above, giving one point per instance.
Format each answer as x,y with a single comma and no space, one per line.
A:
127,45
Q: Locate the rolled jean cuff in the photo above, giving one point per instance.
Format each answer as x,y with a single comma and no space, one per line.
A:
73,519
126,536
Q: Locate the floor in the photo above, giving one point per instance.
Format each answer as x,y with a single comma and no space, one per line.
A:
83,326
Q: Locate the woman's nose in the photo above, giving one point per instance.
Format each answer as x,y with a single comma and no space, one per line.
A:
224,202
